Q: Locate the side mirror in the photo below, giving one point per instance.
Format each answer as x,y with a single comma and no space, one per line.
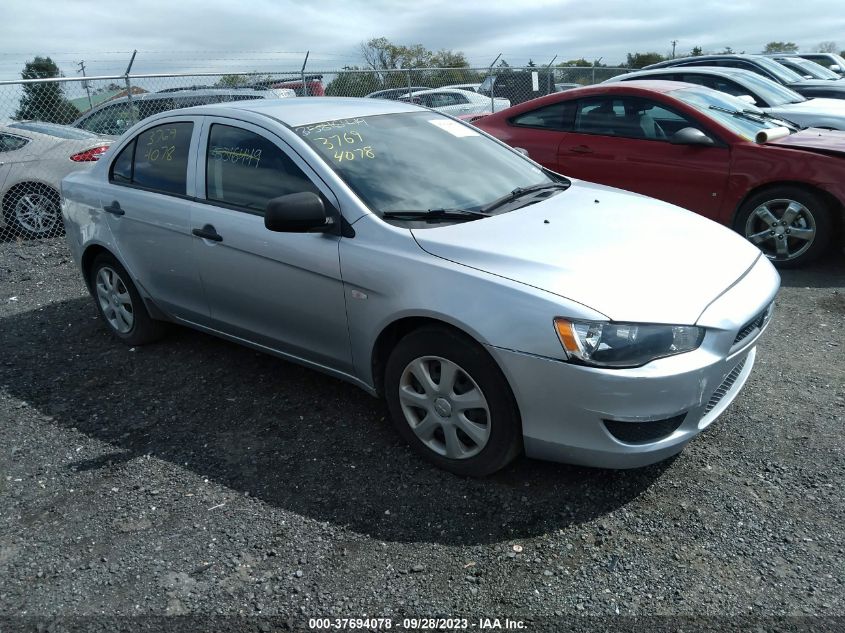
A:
691,136
835,68
522,151
747,99
296,213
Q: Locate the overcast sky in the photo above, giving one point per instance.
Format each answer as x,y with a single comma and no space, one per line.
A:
194,35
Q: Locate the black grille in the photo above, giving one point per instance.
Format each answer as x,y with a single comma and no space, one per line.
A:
754,324
643,432
725,387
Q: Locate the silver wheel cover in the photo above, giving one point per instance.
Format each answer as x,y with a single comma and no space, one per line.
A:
115,300
444,407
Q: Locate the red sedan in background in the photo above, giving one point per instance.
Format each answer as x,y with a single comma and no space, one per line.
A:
781,187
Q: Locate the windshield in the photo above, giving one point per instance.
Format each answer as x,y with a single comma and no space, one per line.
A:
772,93
813,69
710,103
420,161
779,70
59,131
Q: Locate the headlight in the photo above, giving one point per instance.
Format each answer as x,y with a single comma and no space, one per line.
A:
604,344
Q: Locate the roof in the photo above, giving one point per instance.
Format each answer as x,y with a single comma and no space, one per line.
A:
653,85
308,110
722,71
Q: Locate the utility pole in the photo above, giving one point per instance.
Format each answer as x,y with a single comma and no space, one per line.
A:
85,83
674,42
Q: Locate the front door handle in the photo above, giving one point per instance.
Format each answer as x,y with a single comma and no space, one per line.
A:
580,149
208,232
114,208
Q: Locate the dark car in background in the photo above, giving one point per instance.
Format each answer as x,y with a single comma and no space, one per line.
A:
114,117
804,67
765,66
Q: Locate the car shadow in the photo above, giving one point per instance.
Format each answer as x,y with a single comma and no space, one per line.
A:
289,436
828,272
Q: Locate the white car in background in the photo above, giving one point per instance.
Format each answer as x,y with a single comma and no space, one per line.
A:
34,157
456,102
470,87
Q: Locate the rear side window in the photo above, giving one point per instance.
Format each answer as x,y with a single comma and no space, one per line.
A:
246,170
121,168
157,159
558,116
10,143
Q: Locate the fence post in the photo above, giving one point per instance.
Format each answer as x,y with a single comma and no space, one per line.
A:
408,73
302,72
493,83
549,73
129,88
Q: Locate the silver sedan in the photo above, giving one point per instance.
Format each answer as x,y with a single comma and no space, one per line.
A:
498,307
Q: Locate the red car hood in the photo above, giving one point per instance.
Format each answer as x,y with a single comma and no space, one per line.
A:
814,140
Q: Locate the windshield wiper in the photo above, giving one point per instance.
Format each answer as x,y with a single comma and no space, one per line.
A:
522,191
757,117
434,214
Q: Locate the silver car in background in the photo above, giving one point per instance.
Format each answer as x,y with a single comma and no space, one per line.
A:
771,97
495,305
34,157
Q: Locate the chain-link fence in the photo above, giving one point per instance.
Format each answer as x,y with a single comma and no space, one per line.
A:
51,127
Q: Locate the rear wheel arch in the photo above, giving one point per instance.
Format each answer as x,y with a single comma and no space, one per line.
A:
826,210
834,204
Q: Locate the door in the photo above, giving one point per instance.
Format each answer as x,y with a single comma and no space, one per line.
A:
280,290
623,141
147,209
450,103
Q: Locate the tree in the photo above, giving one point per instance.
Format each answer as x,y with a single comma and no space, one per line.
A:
826,47
44,101
696,52
233,81
781,47
353,81
577,62
638,60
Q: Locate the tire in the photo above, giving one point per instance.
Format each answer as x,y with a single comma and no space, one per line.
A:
33,210
469,441
119,303
761,221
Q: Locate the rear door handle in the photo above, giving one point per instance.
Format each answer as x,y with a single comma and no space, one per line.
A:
208,232
580,149
114,208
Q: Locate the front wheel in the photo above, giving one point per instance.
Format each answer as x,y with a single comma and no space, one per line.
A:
450,402
790,225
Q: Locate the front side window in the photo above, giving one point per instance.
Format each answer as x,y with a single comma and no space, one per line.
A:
557,116
11,143
246,170
157,159
628,117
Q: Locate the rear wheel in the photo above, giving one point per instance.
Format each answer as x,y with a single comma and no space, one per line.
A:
790,225
450,402
33,210
119,303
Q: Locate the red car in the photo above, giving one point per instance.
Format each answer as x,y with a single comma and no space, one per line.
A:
781,187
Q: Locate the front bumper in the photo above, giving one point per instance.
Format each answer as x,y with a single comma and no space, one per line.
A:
564,406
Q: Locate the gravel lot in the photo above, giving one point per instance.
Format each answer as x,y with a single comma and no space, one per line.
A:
197,477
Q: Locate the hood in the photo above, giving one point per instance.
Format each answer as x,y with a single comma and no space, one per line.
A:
813,112
630,257
833,84
815,140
